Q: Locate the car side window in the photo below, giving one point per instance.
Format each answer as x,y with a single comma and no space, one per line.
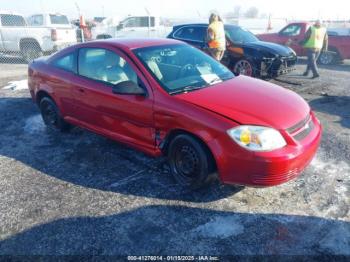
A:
12,20
292,30
194,33
104,65
66,62
130,22
36,20
139,21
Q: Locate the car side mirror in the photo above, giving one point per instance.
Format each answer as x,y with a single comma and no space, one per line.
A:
128,88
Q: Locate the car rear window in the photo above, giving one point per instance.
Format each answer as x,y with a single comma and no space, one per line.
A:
66,63
12,20
59,20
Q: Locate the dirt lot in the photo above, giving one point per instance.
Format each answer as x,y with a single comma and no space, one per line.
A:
79,193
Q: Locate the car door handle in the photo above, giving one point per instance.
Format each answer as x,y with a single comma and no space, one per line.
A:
81,90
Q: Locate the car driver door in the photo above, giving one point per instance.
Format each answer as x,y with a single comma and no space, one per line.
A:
290,36
124,117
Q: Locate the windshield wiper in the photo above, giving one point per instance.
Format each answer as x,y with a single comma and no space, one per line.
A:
213,81
185,89
217,79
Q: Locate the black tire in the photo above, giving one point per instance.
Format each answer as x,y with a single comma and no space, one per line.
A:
190,162
30,51
243,67
52,116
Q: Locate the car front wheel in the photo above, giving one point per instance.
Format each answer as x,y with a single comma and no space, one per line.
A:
243,67
51,115
190,162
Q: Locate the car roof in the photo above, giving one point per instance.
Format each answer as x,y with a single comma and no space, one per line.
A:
5,12
134,43
202,24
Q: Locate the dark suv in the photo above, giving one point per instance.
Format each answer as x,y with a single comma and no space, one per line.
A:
245,53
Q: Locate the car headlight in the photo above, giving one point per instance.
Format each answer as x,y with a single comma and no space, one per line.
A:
257,138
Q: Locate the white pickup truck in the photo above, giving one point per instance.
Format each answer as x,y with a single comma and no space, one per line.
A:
42,34
131,27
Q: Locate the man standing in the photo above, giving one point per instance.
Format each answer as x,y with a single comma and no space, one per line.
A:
316,40
216,37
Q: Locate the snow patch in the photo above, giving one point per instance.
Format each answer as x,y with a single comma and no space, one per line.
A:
220,227
330,166
34,125
17,85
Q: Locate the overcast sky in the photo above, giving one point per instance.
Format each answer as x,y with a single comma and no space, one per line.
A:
291,9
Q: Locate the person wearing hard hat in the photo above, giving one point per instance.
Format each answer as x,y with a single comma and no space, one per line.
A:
316,40
216,37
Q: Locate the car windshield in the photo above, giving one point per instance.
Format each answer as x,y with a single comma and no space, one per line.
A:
182,68
240,35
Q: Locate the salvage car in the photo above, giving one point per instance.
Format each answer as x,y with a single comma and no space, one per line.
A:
245,54
167,98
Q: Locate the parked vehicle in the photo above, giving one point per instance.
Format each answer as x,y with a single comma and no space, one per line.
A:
46,34
165,97
258,25
293,33
245,54
130,27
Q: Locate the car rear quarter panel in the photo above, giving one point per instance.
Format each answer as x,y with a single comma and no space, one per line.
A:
54,82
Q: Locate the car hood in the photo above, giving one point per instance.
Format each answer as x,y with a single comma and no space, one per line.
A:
251,101
272,48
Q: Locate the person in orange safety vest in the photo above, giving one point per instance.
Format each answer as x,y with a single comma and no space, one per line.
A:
216,37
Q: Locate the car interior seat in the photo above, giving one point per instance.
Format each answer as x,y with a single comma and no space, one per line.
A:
112,72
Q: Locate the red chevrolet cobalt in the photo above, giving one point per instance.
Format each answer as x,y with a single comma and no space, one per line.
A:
165,97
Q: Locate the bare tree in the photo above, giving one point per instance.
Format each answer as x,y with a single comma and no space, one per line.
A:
237,11
252,12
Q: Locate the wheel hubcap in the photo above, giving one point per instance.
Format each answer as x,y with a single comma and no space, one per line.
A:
243,68
326,59
31,54
186,162
50,115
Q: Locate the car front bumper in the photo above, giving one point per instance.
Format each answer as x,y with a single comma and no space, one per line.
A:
273,67
263,169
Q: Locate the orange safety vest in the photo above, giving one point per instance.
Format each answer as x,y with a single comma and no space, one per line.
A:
218,38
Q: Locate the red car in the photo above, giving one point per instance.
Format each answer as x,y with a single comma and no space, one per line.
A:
165,97
293,33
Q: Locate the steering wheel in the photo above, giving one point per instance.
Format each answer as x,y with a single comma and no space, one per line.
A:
184,71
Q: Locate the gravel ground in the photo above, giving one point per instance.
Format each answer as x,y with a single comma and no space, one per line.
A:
79,193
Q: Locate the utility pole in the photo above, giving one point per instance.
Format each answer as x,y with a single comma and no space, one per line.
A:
149,22
80,17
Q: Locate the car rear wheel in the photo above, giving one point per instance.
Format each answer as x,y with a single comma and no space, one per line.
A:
51,115
327,58
30,52
190,162
243,67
